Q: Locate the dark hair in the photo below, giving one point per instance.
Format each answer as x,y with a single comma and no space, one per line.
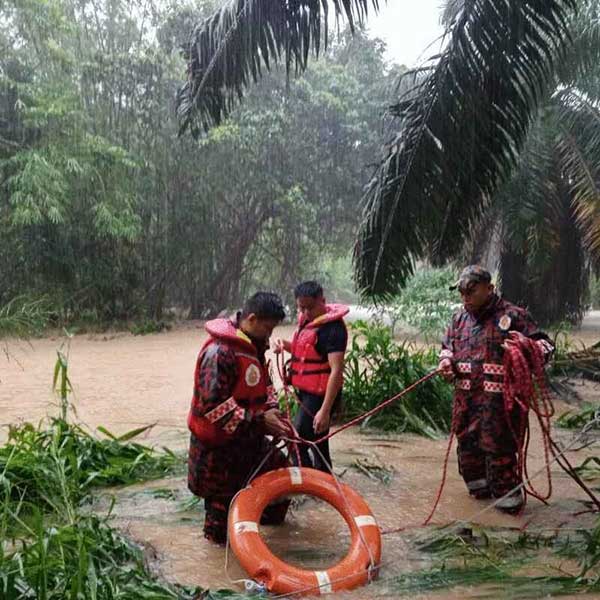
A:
265,305
308,289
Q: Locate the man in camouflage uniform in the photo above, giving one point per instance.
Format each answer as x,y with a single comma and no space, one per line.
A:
472,356
233,408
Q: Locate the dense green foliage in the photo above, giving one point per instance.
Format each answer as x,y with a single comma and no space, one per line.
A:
108,214
494,151
426,303
51,547
378,368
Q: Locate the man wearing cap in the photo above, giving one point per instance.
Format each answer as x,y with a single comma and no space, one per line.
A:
472,357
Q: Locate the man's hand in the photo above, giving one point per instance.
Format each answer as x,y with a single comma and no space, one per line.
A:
446,369
321,421
514,338
275,425
280,345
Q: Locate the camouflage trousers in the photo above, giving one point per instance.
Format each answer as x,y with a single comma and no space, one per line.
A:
486,475
487,446
216,510
217,474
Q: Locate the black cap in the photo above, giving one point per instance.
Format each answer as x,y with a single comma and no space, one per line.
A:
471,274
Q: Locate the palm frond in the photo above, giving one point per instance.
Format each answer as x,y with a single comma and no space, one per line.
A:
542,262
228,51
548,273
460,132
529,201
579,147
581,65
450,11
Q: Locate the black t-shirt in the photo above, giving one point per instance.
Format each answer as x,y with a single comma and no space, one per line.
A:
331,337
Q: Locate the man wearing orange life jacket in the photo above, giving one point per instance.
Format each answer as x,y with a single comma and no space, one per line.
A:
233,408
317,367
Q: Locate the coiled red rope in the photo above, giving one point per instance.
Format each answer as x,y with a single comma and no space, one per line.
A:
525,391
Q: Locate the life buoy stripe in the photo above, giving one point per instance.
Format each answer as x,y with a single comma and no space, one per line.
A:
246,527
295,475
323,582
365,521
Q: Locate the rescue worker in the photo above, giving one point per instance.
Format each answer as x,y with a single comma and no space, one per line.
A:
233,408
472,357
316,368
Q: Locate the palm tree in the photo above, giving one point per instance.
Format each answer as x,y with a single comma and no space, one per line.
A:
228,51
550,210
546,218
461,123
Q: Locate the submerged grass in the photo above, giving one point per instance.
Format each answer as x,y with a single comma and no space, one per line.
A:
576,419
490,580
494,562
51,546
373,470
59,464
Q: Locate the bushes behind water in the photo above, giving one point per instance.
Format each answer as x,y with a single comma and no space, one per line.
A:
426,303
377,368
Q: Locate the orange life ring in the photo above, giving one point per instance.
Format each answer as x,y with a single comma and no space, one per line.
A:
358,567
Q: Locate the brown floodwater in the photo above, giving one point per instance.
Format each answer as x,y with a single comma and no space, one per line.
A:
122,381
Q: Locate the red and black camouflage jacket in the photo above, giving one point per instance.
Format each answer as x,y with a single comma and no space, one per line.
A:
473,342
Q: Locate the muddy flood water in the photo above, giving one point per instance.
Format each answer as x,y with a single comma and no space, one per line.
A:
122,381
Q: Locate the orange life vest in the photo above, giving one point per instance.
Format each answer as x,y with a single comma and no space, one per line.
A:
308,369
249,393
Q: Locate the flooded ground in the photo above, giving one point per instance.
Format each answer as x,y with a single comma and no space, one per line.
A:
122,381
158,514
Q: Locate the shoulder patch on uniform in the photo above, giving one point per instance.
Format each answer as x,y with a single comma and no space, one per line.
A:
504,322
252,375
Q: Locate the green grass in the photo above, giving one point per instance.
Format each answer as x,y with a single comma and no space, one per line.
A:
491,561
576,419
23,317
51,546
377,368
39,462
426,303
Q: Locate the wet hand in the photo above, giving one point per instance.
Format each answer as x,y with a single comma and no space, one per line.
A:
514,338
321,421
278,346
275,425
446,369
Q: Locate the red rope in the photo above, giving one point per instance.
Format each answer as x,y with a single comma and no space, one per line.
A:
299,440
525,384
288,410
440,491
379,407
524,387
525,390
286,387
